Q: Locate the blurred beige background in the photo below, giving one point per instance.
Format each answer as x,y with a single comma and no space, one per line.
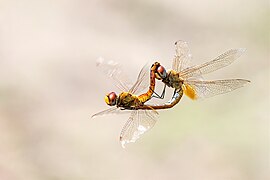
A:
49,88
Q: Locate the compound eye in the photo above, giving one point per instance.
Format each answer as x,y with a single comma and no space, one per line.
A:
161,72
110,98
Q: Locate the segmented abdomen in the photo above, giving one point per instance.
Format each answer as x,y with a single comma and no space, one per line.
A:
147,96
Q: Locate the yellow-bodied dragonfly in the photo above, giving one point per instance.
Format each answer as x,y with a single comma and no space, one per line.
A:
142,117
188,80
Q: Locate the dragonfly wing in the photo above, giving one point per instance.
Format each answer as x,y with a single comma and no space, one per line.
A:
205,89
138,123
113,110
143,80
114,71
182,56
221,61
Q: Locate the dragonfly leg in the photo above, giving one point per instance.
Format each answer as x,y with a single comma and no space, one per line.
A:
162,94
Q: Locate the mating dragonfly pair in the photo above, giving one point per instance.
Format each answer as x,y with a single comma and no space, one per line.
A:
182,78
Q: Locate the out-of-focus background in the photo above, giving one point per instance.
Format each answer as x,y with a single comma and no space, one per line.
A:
50,87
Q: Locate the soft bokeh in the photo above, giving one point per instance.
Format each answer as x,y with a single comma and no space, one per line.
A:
50,87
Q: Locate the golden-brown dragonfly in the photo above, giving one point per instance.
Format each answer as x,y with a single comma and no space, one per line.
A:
188,80
143,117
182,78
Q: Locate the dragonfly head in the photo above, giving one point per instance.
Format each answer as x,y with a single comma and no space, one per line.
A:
111,98
161,73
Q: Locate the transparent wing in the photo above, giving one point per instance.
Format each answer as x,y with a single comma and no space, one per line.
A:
114,71
143,80
138,123
182,56
221,61
205,89
113,110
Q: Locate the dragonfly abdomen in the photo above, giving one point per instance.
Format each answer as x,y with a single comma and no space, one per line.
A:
146,96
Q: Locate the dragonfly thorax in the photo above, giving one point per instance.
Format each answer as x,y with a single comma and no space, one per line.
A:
128,101
173,80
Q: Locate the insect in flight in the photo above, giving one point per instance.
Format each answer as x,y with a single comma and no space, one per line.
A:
183,79
188,80
140,120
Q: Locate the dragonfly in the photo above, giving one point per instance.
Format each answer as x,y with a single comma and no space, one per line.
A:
142,117
183,78
188,80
